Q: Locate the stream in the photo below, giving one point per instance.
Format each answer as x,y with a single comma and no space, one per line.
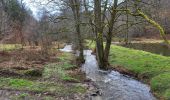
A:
112,84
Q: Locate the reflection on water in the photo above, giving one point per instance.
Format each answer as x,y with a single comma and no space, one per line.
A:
156,48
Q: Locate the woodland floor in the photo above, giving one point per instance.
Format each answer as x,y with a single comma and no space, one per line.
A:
27,74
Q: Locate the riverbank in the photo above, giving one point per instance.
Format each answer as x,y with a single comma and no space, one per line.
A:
27,74
151,68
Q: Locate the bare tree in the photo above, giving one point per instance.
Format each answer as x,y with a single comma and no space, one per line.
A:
75,6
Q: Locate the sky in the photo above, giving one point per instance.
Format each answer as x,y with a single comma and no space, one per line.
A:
34,6
37,5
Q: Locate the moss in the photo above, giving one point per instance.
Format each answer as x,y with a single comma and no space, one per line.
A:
154,23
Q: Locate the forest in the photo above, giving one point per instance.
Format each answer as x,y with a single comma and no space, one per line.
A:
84,50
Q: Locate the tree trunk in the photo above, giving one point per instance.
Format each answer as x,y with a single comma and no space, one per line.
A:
99,35
127,25
81,56
110,33
75,5
107,49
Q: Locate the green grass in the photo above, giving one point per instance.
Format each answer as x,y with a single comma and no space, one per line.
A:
161,85
36,86
155,67
65,57
58,71
19,83
55,79
139,61
53,76
9,47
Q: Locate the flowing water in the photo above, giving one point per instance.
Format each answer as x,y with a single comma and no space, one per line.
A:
67,48
113,85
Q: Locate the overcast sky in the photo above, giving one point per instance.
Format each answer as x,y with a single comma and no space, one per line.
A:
34,7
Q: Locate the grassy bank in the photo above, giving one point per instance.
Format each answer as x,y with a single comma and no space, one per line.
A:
152,68
59,79
147,66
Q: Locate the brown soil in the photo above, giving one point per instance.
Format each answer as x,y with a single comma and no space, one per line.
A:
14,63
